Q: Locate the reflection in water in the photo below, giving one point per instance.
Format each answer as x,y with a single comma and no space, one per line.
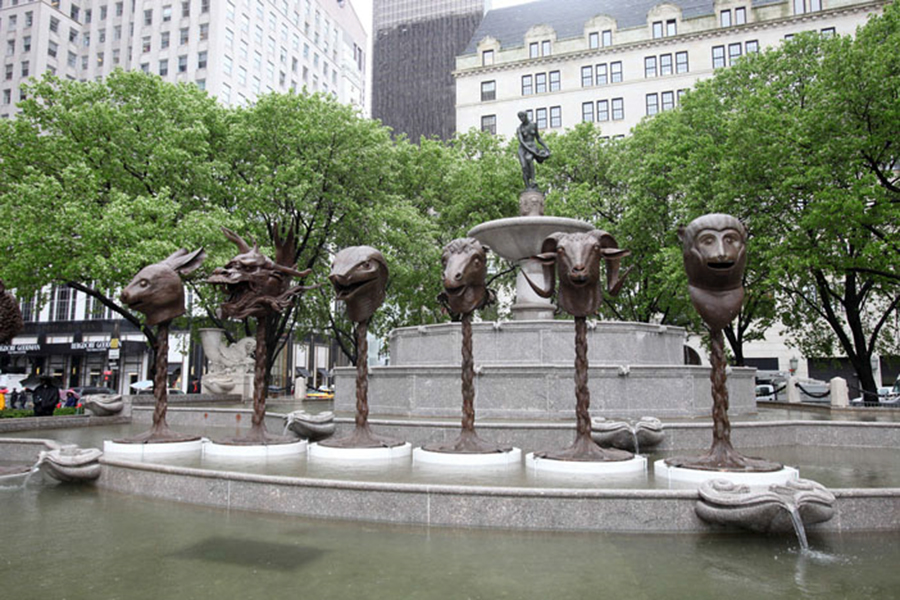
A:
248,552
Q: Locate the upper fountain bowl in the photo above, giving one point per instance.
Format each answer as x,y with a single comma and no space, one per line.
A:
517,238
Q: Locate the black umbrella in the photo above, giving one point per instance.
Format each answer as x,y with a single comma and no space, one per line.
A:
34,380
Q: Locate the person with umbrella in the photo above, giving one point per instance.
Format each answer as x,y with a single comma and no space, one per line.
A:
45,397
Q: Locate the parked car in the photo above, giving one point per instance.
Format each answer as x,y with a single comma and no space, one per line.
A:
314,394
886,397
766,393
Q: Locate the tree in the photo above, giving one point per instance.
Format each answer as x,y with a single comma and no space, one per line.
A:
103,178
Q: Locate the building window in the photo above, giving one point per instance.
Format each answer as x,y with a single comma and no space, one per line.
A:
718,57
185,9
488,90
665,64
163,67
489,124
28,306
740,16
167,13
657,29
652,104
145,44
828,32
54,24
725,18
671,27
148,17
26,68
602,78
805,6
587,76
52,48
555,116
487,58
540,83
527,85
7,96
540,118
164,40
607,37
63,305
74,12
554,81
602,110
734,53
120,8
751,46
615,72
649,66
182,64
668,100
204,6
545,48
534,50
183,36
202,59
587,112
618,109
26,44
594,39
681,62
204,31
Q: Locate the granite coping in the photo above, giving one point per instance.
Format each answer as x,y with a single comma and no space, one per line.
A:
560,509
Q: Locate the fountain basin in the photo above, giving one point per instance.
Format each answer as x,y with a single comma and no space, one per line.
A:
638,464
253,451
516,238
455,459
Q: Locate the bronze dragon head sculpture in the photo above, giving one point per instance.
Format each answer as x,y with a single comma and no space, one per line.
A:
359,275
577,259
157,290
465,269
714,247
256,284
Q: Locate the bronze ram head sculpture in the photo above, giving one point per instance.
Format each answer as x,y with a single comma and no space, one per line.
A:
577,257
157,290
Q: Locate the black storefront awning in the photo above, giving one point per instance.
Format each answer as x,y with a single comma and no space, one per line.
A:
301,372
323,373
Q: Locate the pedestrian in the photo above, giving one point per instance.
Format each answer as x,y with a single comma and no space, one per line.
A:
71,399
45,397
14,398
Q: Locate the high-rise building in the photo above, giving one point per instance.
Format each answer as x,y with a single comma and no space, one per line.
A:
413,56
235,49
612,62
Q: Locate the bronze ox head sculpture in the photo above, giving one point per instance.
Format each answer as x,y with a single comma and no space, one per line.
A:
256,284
157,290
715,253
359,276
577,257
465,268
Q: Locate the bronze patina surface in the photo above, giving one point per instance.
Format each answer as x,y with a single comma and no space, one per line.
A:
714,247
259,287
465,290
529,138
359,275
577,258
158,292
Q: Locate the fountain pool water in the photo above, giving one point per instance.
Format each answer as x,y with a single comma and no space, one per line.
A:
91,544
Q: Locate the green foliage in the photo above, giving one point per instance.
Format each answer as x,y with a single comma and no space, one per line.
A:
21,413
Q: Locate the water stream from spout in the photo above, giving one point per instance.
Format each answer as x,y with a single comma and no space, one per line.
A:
798,526
637,445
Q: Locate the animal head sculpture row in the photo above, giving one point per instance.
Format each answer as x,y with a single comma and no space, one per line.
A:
576,257
157,290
